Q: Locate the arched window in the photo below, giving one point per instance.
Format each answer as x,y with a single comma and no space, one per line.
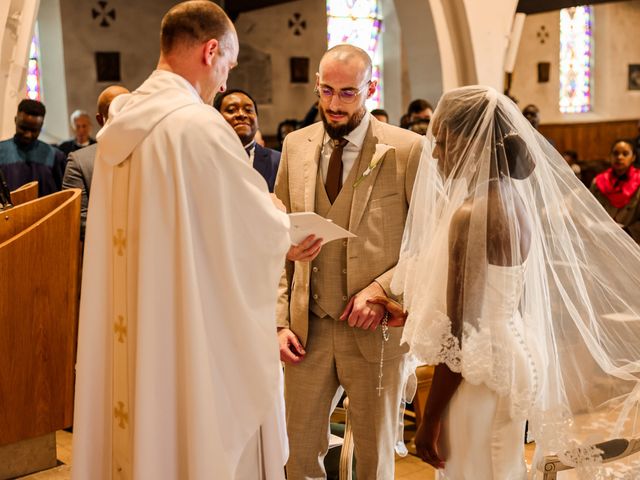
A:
34,90
359,23
576,46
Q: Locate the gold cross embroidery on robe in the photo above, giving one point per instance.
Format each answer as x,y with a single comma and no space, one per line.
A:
120,329
120,241
121,415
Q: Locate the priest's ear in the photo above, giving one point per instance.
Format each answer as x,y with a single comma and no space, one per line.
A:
210,50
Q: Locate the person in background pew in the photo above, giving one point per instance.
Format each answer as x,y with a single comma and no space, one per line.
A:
25,159
637,146
617,188
571,157
81,126
285,127
79,169
380,114
240,111
532,113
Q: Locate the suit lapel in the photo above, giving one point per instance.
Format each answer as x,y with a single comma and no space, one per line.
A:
311,159
257,158
371,153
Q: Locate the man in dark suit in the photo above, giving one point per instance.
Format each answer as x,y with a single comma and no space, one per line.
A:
240,111
79,169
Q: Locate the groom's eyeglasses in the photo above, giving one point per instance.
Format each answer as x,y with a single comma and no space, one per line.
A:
346,95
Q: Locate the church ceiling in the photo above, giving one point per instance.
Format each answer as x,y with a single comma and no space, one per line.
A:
538,6
236,7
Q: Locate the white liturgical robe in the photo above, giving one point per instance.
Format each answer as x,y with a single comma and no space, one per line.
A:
178,370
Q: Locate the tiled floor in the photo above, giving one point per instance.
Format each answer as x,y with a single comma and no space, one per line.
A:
407,468
62,471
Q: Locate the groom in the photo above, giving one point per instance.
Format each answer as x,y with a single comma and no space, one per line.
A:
357,172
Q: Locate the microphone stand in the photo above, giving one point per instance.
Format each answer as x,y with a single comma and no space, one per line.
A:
5,193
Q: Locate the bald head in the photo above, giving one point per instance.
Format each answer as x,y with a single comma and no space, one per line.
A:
193,22
105,99
350,56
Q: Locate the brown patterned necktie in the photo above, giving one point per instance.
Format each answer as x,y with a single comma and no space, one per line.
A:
333,184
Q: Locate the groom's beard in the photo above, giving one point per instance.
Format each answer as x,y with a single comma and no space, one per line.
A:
337,131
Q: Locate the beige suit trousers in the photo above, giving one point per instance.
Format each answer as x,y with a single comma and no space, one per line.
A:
333,358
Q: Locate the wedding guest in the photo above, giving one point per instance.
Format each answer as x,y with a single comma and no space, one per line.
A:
24,158
81,126
617,188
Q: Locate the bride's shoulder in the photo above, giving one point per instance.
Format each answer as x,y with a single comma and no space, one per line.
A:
461,218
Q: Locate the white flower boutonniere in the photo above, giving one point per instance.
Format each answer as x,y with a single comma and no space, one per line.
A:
378,156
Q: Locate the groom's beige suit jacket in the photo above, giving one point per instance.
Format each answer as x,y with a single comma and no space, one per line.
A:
375,210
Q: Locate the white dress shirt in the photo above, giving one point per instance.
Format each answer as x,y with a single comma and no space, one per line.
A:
350,152
251,151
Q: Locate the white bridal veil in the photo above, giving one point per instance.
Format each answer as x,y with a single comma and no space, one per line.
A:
565,347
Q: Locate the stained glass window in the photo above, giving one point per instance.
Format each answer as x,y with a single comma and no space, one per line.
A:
359,23
34,90
576,46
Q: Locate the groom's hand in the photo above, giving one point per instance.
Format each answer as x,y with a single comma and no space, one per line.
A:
306,251
291,350
397,313
361,314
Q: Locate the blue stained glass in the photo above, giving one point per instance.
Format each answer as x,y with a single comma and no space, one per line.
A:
359,23
575,59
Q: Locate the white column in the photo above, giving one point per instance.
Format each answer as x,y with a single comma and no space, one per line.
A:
18,19
473,36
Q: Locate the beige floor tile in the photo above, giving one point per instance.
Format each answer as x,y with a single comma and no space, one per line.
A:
411,467
407,468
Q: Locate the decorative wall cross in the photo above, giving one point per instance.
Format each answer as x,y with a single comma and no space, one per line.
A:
106,16
542,34
297,24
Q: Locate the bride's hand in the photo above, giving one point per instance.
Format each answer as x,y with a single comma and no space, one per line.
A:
427,442
398,315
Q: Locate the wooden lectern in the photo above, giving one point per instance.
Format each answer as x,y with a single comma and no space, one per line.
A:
39,257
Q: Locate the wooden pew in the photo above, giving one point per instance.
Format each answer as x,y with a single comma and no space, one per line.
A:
592,140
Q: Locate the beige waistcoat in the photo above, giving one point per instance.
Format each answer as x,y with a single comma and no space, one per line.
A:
328,285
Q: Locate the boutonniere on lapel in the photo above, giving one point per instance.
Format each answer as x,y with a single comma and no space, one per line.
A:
378,156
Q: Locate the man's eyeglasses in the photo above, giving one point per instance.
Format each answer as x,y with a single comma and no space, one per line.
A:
347,95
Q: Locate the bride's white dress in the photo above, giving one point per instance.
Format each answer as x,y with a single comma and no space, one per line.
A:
480,440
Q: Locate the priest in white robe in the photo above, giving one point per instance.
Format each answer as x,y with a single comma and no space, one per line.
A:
178,375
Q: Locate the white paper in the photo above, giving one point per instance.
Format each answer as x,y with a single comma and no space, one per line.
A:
304,224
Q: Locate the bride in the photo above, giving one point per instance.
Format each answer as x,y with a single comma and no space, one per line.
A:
522,292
